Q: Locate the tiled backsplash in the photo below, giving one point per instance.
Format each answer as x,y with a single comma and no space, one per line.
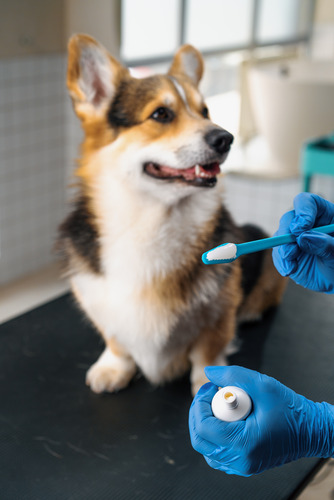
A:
32,161
259,201
39,137
263,201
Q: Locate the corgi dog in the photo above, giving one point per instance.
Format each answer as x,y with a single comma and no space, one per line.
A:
149,203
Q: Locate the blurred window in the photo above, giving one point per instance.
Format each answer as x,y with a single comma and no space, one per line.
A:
151,30
211,24
283,20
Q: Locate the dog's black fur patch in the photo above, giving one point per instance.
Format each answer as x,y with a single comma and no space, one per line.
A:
225,228
226,231
131,97
80,229
251,264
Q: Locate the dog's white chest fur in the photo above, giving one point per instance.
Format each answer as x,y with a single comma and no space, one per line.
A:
145,243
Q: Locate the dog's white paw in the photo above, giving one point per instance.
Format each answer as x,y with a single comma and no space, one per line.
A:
110,373
106,379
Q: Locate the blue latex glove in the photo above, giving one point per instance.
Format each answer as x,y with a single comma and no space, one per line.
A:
283,426
309,261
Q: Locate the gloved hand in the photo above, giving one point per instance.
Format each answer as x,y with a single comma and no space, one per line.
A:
309,261
283,426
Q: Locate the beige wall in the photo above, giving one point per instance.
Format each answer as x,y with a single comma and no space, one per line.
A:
44,26
324,11
98,18
31,27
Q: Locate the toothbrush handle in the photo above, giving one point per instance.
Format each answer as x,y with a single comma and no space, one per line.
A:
265,243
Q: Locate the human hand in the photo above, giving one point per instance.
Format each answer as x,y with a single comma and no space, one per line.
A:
310,260
283,425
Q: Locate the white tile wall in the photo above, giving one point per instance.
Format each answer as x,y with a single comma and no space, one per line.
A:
259,201
263,201
32,161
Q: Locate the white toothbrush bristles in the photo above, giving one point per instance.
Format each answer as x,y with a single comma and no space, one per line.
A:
224,252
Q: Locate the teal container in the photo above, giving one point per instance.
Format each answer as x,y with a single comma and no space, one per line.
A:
317,158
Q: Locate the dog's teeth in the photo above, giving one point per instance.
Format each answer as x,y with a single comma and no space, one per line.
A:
197,170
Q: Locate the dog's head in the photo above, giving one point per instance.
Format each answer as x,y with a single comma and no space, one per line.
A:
155,131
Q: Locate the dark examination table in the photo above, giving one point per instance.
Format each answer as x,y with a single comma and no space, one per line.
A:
61,441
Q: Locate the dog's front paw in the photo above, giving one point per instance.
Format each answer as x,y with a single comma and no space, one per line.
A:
106,375
106,379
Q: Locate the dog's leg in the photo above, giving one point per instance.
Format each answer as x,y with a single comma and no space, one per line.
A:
112,371
209,348
266,293
115,367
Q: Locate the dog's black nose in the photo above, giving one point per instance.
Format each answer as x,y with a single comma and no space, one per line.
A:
219,139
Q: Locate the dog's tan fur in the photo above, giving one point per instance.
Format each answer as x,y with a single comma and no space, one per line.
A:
132,244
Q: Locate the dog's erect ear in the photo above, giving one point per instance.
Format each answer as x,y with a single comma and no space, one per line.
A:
92,75
188,62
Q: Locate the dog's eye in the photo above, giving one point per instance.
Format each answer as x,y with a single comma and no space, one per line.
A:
163,115
205,112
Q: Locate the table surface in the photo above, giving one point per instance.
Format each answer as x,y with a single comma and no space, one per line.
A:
58,440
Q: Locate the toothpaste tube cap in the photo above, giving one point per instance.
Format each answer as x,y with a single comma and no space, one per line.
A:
231,403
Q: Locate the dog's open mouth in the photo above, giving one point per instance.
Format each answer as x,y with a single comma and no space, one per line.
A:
198,175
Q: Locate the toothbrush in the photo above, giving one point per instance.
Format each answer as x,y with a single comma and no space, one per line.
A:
228,252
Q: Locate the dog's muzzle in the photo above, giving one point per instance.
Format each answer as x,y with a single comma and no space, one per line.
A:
203,174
